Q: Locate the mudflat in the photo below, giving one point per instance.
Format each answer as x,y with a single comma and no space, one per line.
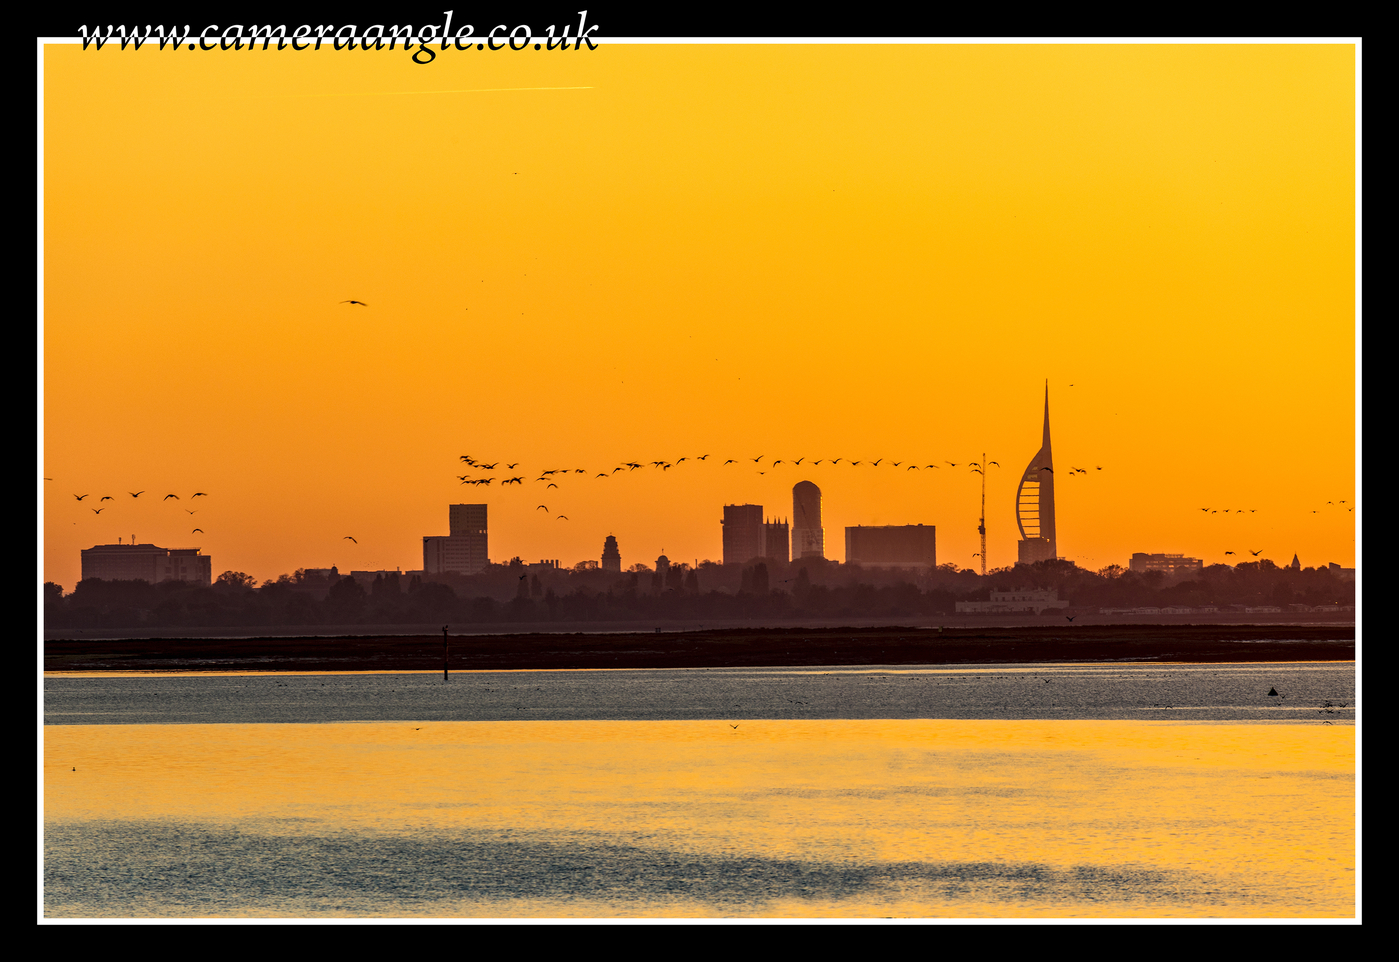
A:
721,648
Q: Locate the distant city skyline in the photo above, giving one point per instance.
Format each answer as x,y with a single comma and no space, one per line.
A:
715,289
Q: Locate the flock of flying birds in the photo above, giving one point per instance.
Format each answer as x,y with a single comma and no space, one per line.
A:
137,494
551,477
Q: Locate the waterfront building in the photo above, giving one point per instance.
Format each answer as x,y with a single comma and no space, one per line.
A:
808,537
776,541
1172,565
744,536
892,546
146,562
1019,599
1034,502
611,556
464,549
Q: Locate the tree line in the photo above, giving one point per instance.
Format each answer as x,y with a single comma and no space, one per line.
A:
810,588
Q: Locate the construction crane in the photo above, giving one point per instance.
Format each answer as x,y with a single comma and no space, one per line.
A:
980,468
981,525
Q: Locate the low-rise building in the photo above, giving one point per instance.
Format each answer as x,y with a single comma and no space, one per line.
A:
1020,599
146,562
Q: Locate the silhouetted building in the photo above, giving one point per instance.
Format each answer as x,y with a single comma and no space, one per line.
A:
775,541
743,533
146,562
1172,565
611,556
1020,599
464,550
662,568
1345,574
808,537
1296,562
1034,502
892,545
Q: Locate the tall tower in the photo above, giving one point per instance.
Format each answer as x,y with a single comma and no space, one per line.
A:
1034,501
744,535
611,555
808,537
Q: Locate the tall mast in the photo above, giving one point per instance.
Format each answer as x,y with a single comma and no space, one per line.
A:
981,527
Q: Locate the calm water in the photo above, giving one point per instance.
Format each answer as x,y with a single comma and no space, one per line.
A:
1032,792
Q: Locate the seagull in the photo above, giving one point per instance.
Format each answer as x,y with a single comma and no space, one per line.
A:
348,538
188,511
169,496
1255,553
80,496
98,510
562,517
105,497
876,463
545,507
551,485
199,494
729,461
197,530
137,494
360,303
1228,552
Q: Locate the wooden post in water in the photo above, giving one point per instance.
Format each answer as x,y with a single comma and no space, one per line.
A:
444,652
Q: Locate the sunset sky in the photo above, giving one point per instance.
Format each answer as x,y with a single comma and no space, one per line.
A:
646,252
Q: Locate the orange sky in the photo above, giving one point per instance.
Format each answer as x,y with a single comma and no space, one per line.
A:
819,251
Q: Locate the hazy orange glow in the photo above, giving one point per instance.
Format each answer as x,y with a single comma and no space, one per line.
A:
793,251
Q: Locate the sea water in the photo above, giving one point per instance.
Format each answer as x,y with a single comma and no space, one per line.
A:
993,792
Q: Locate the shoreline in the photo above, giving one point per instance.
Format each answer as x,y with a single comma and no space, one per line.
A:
713,648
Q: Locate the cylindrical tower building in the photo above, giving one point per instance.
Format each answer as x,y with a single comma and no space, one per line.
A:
808,537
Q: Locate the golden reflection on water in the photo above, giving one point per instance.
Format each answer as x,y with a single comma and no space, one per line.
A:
1260,817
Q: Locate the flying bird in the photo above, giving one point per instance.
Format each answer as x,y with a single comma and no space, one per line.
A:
98,510
1255,553
199,494
562,517
360,303
551,485
80,496
197,531
1228,552
137,494
348,538
169,496
545,507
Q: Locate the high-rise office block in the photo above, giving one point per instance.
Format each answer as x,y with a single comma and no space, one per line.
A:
1034,502
743,533
464,550
775,541
892,545
808,537
611,555
146,562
